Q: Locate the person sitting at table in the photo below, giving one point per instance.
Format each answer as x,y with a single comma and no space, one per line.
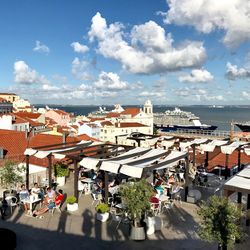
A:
158,187
92,175
36,191
157,177
59,197
175,189
48,204
24,196
51,194
171,179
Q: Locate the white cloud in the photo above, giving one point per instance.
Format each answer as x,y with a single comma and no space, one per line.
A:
152,94
197,75
233,72
41,48
231,16
245,95
79,48
47,87
110,81
150,50
80,69
25,75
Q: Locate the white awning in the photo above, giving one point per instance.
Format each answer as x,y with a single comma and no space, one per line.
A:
89,162
58,156
29,151
172,159
247,151
209,147
230,148
33,169
42,154
133,171
110,166
239,182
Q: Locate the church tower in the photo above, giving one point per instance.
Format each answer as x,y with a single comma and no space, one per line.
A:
148,107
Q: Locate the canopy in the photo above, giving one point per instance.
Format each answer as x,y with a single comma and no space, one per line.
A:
230,148
184,145
172,159
209,147
247,151
133,171
239,182
147,158
91,163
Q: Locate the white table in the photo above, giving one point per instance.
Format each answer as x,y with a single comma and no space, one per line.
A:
32,199
113,190
89,181
163,198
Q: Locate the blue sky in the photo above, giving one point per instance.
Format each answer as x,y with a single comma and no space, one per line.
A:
114,51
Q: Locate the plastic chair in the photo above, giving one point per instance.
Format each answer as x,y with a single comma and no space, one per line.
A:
96,198
116,218
11,201
81,188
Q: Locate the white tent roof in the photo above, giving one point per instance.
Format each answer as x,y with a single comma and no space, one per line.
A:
133,171
91,163
184,145
172,159
239,182
209,147
230,148
34,169
247,151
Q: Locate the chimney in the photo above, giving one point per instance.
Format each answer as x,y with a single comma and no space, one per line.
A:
64,137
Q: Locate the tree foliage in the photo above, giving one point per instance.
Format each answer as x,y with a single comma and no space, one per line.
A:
220,221
10,174
135,196
61,170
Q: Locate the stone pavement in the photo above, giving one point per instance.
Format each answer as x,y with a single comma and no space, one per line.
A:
80,230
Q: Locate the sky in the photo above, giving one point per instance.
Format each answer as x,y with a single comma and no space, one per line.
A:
97,52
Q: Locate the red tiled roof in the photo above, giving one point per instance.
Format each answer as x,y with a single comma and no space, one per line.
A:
29,115
131,111
129,124
74,126
92,119
60,112
2,100
33,123
18,120
111,114
106,123
7,94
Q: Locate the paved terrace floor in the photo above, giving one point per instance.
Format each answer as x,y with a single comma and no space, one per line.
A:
82,231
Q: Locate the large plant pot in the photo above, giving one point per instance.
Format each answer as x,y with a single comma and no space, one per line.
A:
137,233
72,207
102,217
60,181
150,221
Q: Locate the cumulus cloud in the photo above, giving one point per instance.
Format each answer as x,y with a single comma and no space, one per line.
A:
208,15
79,48
48,87
150,49
152,94
233,72
110,81
245,95
80,69
197,75
42,48
25,75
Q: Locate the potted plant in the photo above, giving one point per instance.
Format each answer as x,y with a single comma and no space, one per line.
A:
10,175
102,210
136,196
220,222
61,171
71,204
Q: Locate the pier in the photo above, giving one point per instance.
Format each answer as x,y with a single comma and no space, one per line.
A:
217,134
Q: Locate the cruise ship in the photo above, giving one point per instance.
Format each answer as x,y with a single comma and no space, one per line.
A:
244,126
178,119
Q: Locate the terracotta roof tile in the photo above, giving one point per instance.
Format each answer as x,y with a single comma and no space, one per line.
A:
29,115
111,114
129,124
106,123
131,111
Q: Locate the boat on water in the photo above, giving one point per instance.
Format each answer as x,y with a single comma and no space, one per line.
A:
102,112
177,119
243,126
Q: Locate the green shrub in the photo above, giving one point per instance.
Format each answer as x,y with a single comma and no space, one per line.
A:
71,200
61,170
102,208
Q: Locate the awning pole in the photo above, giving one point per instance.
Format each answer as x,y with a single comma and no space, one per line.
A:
27,157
